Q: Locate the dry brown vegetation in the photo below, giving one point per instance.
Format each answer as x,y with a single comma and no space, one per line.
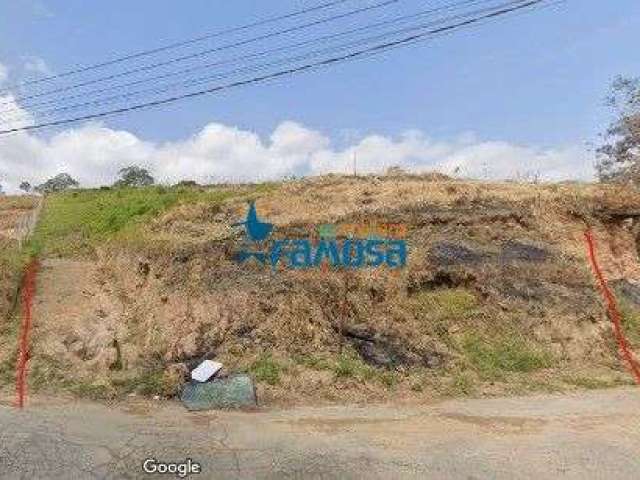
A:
497,295
12,210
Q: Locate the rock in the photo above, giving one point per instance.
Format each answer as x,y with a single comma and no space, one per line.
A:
375,354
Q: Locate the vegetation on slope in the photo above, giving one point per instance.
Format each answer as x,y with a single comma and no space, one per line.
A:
74,222
497,296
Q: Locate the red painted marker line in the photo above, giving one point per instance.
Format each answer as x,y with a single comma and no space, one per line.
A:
26,295
612,307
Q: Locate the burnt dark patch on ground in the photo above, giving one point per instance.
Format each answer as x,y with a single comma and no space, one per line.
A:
447,253
515,251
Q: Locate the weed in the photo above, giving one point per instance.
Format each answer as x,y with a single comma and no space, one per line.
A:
7,371
388,379
462,384
492,357
445,303
349,365
153,380
266,369
315,363
631,323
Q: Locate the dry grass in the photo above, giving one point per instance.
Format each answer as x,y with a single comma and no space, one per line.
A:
11,263
494,322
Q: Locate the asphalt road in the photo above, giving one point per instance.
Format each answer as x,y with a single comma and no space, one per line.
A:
581,436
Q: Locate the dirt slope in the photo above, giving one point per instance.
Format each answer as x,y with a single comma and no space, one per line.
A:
13,213
496,296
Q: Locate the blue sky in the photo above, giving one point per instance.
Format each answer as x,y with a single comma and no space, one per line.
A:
536,79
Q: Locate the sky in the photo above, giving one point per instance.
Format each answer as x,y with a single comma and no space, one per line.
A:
520,97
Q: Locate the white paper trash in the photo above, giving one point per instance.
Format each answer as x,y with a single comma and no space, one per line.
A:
205,370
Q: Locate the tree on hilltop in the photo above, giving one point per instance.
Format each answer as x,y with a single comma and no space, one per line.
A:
59,183
619,155
134,176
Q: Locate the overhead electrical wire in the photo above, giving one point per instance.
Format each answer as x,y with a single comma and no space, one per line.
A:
362,53
209,51
260,67
252,68
321,39
176,45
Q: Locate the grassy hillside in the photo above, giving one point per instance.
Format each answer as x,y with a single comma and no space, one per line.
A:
496,297
75,223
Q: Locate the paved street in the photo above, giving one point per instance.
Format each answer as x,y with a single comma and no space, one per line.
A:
582,436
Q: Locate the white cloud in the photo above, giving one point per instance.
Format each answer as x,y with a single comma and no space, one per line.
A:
94,153
36,65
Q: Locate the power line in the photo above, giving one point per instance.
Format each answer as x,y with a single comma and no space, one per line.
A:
209,51
260,67
321,39
257,68
370,51
175,45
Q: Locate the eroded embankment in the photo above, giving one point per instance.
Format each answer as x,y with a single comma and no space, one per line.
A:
497,296
17,215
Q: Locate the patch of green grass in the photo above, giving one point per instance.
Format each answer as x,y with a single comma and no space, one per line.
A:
492,357
267,370
71,223
445,303
313,362
350,365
